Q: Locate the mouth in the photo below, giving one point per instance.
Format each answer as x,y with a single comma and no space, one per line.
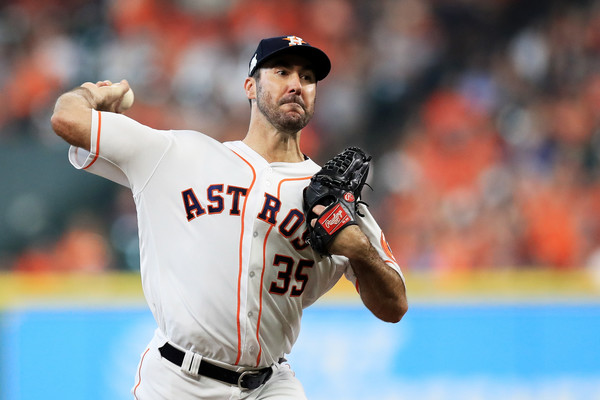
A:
294,106
293,100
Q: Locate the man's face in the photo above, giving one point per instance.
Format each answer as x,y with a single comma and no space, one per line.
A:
286,92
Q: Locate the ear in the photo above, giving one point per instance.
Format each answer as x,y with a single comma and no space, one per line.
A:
250,87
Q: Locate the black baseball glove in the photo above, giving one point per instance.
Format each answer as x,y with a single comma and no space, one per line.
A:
337,186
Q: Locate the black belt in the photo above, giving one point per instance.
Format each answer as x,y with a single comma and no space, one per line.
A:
249,379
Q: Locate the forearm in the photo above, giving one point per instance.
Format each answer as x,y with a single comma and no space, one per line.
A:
381,287
72,118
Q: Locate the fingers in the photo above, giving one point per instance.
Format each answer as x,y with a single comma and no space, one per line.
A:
89,85
318,210
106,94
101,84
110,83
123,86
123,83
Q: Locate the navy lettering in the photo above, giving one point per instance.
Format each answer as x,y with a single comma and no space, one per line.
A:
217,206
193,208
291,223
301,243
237,192
270,209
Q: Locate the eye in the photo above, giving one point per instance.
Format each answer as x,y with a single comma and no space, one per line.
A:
308,77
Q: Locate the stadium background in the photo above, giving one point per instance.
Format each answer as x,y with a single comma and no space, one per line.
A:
483,119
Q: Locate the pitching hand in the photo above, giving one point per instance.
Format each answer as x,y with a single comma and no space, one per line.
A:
106,96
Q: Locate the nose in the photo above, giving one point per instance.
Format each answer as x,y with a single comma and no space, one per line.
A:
294,83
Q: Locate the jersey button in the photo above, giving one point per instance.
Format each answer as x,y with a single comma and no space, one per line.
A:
251,274
250,314
255,234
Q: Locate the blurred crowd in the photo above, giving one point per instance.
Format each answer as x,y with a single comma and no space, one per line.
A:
483,117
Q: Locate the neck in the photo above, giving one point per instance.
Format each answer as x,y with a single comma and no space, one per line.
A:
273,145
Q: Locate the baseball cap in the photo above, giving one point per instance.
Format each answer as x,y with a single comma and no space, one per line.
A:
267,48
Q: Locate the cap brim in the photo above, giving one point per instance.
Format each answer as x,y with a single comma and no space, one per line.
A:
318,59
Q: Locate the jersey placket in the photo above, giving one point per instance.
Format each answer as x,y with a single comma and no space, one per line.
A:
255,269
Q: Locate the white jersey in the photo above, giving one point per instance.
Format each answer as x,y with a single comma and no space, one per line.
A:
225,266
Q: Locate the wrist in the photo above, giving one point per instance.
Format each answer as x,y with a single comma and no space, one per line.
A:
87,95
352,243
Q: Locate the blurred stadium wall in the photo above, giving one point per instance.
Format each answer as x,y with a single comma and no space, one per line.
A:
528,335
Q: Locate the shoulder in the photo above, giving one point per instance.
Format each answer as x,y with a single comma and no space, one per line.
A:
195,140
196,145
311,165
193,136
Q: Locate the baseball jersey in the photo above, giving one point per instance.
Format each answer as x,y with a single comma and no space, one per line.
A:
225,265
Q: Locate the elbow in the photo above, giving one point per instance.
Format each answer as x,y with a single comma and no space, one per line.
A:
56,122
400,312
68,129
60,124
396,312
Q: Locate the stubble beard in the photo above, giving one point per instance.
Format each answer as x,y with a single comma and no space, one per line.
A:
287,122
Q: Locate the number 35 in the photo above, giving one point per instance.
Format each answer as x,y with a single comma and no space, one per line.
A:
284,277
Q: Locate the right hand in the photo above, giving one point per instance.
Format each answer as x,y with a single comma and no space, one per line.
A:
106,96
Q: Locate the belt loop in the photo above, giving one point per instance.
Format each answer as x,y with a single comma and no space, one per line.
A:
191,363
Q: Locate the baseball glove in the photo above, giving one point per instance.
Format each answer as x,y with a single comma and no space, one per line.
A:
337,186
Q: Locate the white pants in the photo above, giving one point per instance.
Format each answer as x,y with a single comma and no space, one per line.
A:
159,379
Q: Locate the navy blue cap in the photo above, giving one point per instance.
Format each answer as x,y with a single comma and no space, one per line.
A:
269,47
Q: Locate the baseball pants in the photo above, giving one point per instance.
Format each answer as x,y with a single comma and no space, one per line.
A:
158,379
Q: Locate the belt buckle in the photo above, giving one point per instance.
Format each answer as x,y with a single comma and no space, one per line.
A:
241,378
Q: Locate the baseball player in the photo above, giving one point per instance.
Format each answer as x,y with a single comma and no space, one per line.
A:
226,264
